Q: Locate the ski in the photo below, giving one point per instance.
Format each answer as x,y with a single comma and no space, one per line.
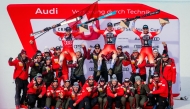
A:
57,25
138,17
101,17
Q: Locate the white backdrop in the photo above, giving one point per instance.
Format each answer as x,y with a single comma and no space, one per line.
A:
10,44
127,39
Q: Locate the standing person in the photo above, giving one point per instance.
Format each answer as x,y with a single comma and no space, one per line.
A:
62,72
146,38
102,96
36,92
141,92
168,72
89,93
47,72
76,101
36,65
21,64
129,93
78,71
118,66
55,94
114,93
94,57
67,88
110,38
137,69
163,93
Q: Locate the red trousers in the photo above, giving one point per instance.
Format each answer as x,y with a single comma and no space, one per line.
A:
108,48
70,54
146,51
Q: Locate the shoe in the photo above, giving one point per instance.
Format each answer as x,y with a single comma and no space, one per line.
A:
110,71
98,73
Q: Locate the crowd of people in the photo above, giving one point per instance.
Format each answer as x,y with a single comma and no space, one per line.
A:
50,67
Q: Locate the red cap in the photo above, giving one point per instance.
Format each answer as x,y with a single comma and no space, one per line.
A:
23,51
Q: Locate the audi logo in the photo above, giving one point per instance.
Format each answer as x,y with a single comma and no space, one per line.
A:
91,46
125,69
91,69
156,39
77,46
137,46
156,46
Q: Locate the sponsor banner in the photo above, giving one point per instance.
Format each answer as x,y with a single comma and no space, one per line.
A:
39,16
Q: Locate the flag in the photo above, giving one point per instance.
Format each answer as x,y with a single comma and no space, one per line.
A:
88,13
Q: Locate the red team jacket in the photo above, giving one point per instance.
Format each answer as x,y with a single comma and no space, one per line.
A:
51,92
77,97
118,89
19,71
94,91
162,89
142,67
67,91
153,85
169,72
41,88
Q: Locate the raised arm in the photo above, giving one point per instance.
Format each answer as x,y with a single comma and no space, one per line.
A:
165,46
84,50
12,63
137,32
60,34
158,32
96,29
88,54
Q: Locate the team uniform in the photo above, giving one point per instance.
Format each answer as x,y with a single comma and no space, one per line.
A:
102,96
48,74
146,43
66,99
53,96
21,77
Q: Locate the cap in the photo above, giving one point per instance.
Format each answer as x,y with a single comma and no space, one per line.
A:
97,46
67,81
109,24
135,50
67,29
55,80
155,75
126,80
57,48
48,58
75,84
23,51
119,47
91,77
46,50
39,75
145,26
114,78
155,50
102,80
137,78
78,50
39,54
38,51
165,54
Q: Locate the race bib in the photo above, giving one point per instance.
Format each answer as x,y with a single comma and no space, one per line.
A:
36,64
95,57
100,89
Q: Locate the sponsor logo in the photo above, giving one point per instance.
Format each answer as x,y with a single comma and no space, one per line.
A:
91,61
157,46
137,46
108,62
154,39
91,46
60,29
91,69
77,46
46,11
125,69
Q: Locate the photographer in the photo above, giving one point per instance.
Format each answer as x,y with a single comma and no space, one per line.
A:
36,92
21,64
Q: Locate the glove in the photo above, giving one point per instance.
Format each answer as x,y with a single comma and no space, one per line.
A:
60,72
47,28
10,59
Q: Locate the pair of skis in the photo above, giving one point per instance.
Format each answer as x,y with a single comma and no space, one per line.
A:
70,21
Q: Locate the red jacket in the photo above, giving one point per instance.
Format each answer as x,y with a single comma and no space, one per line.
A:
128,91
94,91
77,97
67,91
118,89
41,90
169,71
55,93
153,85
162,89
142,67
19,71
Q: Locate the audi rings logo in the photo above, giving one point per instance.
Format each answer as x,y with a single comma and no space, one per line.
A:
137,46
155,46
125,69
91,69
77,46
125,46
156,39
